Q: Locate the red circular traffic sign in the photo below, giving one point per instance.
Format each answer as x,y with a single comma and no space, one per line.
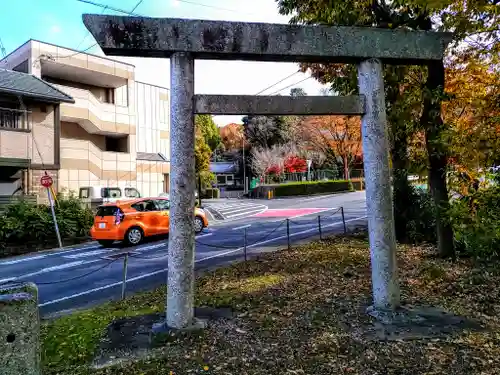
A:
46,181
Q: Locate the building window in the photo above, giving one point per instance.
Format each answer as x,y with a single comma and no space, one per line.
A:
116,144
110,96
132,193
111,193
84,193
221,180
11,118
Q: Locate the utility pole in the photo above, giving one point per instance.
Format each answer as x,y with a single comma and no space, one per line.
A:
244,167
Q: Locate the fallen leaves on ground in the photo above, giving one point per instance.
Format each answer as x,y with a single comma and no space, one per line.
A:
302,312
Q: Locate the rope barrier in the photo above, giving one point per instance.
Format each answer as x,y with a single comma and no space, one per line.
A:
79,276
124,256
267,235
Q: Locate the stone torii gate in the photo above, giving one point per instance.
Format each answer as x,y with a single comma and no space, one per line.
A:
184,41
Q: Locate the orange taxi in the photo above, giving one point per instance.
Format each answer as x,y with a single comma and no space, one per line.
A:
133,220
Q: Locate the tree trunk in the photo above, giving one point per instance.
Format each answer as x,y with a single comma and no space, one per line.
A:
402,193
346,168
438,156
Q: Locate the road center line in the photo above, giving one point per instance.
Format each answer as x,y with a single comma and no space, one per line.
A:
15,261
140,277
86,254
58,268
243,227
311,213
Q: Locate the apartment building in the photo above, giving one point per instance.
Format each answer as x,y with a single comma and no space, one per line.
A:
115,130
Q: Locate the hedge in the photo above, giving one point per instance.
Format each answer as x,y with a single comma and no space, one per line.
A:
27,226
210,193
312,187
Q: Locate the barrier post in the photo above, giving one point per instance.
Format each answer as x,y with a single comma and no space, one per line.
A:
343,219
124,283
319,228
288,233
19,329
245,243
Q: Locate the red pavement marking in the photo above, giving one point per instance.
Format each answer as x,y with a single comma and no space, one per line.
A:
285,212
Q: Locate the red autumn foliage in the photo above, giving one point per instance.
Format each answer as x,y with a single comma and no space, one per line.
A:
274,169
295,164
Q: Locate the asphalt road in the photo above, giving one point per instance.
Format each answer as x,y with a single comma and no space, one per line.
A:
81,276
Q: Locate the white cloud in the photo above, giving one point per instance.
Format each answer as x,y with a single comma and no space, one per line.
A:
175,3
54,29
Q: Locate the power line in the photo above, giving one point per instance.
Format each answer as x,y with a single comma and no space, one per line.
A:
136,5
277,83
203,5
214,7
2,49
104,6
293,84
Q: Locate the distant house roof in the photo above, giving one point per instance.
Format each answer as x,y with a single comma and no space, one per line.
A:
27,85
223,167
151,156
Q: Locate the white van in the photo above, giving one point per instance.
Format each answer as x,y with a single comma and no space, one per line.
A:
107,194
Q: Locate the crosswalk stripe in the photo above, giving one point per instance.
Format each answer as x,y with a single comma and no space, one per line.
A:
234,210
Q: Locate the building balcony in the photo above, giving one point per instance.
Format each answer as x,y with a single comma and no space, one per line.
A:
95,116
15,137
103,165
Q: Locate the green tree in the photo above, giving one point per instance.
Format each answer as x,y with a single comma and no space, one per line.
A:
297,91
266,131
209,131
471,18
202,154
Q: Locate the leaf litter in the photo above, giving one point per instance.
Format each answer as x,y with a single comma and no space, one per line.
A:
302,311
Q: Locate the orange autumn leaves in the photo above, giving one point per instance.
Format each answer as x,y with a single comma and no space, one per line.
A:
340,134
472,112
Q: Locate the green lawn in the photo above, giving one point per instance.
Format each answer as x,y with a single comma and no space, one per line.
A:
301,312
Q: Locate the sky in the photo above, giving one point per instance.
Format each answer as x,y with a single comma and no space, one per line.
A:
60,22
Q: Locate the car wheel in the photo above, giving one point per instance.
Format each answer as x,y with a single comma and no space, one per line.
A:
105,243
134,236
198,224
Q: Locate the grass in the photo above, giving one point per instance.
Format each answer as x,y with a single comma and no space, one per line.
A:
298,313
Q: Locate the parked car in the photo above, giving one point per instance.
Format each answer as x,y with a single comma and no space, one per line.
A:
107,193
133,220
167,195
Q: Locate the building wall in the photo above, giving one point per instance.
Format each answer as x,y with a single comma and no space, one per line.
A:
43,132
141,107
19,56
152,176
152,108
36,142
153,136
84,163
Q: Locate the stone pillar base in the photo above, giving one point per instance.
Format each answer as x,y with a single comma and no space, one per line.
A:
416,322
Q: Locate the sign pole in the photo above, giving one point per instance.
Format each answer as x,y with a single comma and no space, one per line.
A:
46,181
51,202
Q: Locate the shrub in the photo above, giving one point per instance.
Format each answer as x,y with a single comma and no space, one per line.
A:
421,220
31,225
312,187
476,223
414,213
210,193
